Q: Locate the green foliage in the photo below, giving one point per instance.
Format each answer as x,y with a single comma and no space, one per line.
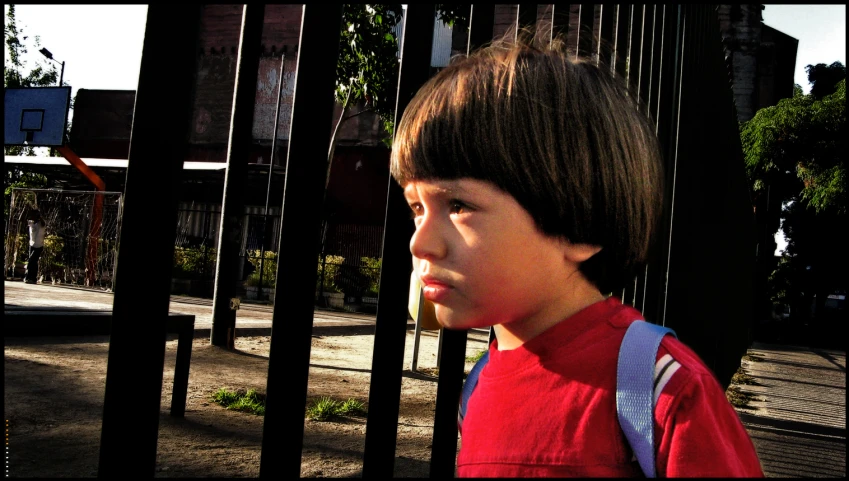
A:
799,146
17,178
824,78
795,154
191,262
16,73
454,15
367,70
51,256
248,401
326,408
331,271
477,356
371,271
352,407
269,268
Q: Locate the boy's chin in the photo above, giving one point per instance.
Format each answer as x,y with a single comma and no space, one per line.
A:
453,319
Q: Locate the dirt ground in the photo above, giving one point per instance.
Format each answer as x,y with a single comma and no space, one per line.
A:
54,391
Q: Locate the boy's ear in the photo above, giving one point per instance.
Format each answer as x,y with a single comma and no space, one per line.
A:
579,253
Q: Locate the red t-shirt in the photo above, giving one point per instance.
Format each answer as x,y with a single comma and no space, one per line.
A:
548,408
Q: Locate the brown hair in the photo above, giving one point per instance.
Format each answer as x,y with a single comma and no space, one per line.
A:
560,134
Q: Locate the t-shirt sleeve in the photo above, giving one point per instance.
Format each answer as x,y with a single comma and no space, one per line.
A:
701,435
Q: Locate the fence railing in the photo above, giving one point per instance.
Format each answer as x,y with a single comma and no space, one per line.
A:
351,251
699,283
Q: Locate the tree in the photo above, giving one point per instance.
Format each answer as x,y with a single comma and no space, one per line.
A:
795,156
824,78
367,70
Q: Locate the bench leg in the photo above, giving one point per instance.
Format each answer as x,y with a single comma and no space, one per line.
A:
181,369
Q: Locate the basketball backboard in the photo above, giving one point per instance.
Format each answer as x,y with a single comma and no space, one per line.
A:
36,116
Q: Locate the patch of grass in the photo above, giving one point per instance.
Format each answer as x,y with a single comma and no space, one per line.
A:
476,357
352,407
326,408
738,398
248,401
741,377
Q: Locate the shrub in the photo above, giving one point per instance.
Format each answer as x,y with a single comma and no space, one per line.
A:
268,266
371,271
331,271
192,262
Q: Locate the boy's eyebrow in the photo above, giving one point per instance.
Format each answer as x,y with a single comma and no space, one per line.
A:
452,189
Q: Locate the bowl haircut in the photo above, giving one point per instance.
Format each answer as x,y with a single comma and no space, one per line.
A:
560,134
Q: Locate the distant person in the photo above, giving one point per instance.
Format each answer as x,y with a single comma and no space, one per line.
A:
36,245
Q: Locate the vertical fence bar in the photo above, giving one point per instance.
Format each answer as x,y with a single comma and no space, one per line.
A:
137,339
606,38
621,45
526,15
647,32
667,119
560,20
585,30
391,322
271,169
635,40
659,49
480,26
303,191
480,32
223,332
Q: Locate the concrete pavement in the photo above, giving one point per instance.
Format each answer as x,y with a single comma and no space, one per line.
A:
798,422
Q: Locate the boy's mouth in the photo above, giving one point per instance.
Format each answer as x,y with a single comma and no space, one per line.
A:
434,289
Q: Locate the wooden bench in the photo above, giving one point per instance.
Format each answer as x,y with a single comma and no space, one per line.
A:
63,321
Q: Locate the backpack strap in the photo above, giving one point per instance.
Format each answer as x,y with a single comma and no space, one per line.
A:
469,386
635,389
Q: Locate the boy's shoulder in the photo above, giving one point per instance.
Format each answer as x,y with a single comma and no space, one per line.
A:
677,365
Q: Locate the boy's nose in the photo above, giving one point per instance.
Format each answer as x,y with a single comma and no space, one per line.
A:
427,242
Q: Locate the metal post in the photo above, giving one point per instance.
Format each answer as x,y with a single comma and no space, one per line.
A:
115,260
306,171
271,170
137,349
223,332
390,325
414,365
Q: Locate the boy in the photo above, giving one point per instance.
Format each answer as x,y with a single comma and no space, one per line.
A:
535,184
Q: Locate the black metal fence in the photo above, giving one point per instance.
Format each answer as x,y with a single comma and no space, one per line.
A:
699,283
348,266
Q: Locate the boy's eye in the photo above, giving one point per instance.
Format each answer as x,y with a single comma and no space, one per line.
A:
415,210
457,207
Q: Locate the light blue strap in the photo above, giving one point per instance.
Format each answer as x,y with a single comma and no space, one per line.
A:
635,389
470,384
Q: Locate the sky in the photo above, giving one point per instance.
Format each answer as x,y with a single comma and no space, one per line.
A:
101,45
820,29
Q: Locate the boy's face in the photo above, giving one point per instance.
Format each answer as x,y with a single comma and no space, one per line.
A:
480,256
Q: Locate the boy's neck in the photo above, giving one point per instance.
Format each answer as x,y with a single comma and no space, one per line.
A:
576,297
